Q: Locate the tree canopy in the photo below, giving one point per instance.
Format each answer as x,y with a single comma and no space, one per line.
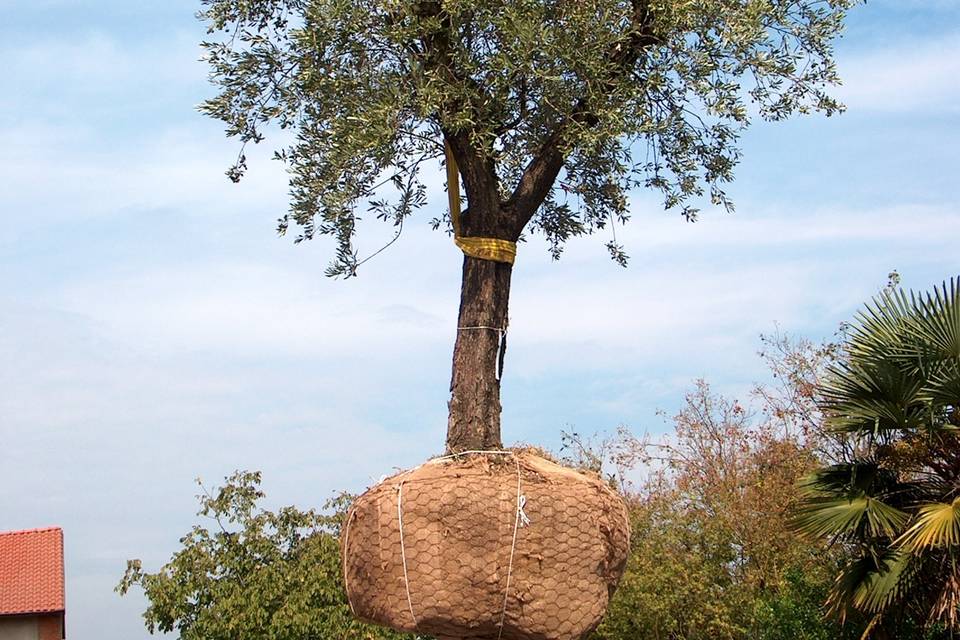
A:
554,109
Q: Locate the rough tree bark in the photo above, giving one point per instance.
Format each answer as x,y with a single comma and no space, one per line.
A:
474,419
473,422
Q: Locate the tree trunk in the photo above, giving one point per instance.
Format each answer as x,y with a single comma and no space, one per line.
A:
474,421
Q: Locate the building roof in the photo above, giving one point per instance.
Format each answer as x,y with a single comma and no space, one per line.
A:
31,571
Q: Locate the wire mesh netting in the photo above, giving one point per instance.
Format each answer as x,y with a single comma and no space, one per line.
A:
483,547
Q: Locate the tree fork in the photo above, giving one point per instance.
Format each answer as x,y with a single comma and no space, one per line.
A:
474,419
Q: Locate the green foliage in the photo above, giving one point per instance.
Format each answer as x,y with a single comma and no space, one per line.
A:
555,110
257,575
892,502
716,552
713,552
795,611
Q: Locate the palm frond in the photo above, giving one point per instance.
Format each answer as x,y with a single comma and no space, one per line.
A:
903,363
870,584
880,327
873,397
886,584
837,517
936,525
947,605
850,479
943,386
936,323
850,500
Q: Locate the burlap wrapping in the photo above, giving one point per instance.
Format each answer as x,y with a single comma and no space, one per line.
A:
449,577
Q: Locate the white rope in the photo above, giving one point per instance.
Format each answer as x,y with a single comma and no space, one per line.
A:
451,457
501,344
403,553
520,520
524,520
492,452
346,550
521,501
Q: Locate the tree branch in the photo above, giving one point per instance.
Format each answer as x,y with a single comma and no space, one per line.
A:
476,167
539,176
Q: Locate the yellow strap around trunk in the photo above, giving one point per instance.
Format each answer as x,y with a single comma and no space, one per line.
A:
493,249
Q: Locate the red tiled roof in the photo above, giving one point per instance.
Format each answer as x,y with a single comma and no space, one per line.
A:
31,571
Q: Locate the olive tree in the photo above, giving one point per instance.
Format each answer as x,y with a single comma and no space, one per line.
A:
548,111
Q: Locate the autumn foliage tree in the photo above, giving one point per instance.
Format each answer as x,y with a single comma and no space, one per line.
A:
715,553
711,533
549,111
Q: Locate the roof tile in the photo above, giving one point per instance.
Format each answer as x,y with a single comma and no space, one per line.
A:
31,571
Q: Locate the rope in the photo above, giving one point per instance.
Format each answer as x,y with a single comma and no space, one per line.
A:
521,501
501,344
403,553
524,520
493,249
346,550
520,520
458,454
495,452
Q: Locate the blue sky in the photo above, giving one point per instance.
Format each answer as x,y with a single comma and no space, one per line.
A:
154,329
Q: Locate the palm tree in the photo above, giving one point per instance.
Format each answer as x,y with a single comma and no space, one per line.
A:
893,505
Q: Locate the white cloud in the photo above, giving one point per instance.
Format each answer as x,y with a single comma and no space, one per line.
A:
906,76
173,168
692,290
255,308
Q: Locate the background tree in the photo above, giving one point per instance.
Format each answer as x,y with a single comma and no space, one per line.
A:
715,554
713,551
894,501
257,575
550,111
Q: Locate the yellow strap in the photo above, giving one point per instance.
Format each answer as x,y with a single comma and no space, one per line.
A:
488,248
493,249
